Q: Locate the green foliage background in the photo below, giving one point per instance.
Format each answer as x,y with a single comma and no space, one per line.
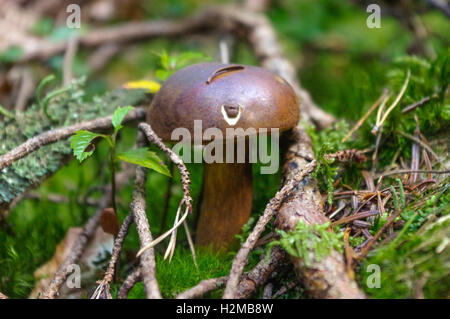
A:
341,62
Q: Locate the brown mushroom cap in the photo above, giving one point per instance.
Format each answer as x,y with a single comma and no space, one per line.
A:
219,94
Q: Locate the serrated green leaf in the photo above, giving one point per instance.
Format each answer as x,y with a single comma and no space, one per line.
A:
119,115
80,142
143,157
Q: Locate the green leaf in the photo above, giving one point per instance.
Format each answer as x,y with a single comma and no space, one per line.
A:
119,115
142,156
80,142
12,54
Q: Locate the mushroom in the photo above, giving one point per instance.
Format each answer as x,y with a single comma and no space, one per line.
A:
223,96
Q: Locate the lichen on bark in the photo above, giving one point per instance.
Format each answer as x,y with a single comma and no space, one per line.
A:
65,109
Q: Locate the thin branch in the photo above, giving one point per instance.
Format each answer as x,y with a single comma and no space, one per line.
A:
72,46
26,90
261,273
129,283
103,288
62,133
240,260
147,261
441,5
407,171
203,287
186,200
421,143
417,104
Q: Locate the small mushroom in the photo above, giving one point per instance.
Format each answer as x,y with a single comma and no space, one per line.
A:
223,96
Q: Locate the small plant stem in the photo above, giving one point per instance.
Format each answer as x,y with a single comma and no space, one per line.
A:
113,173
167,200
6,113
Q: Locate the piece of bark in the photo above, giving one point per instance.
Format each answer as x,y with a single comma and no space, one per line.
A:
328,277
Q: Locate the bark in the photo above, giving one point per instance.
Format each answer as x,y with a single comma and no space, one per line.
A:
328,277
148,263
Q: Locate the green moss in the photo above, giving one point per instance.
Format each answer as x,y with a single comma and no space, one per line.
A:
181,273
308,240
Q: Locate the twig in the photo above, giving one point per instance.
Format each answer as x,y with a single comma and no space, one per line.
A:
417,104
441,5
26,90
103,287
129,283
261,273
285,289
58,134
354,217
241,257
349,155
203,287
147,259
421,143
186,200
72,46
102,56
167,200
2,296
268,291
407,171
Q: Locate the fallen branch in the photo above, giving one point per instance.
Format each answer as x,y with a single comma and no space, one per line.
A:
55,135
328,277
240,260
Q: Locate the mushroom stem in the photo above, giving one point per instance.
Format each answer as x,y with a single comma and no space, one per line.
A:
226,204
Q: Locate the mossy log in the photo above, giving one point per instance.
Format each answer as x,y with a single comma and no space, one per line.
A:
65,109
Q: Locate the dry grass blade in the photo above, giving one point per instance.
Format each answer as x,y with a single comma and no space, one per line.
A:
186,201
380,122
365,116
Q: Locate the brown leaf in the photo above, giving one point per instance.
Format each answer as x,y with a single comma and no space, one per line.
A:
109,221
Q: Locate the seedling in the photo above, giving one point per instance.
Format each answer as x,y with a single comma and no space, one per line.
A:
83,147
